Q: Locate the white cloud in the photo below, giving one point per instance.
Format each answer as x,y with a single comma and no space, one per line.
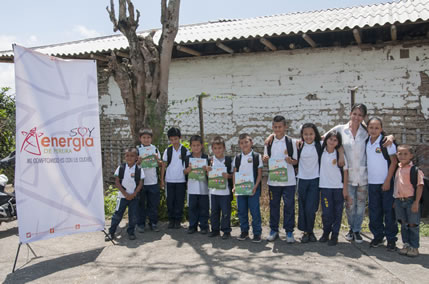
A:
85,32
7,78
6,42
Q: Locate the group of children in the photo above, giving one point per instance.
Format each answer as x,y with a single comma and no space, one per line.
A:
315,166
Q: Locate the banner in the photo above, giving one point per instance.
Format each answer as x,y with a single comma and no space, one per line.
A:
58,173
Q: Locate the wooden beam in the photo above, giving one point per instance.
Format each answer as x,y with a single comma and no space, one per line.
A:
268,44
99,58
356,35
224,47
122,54
308,39
6,60
393,32
188,50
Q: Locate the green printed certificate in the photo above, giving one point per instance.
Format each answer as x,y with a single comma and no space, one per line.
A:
243,184
149,157
197,173
277,169
216,179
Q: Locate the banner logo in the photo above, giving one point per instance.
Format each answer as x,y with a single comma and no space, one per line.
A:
31,142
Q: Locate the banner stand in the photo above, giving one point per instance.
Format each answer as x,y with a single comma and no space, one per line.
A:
107,235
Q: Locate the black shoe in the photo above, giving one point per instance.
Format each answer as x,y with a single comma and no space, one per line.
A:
154,227
312,238
243,236
391,246
358,238
375,243
177,224
324,238
350,236
131,237
256,239
226,236
333,241
305,238
109,237
171,224
203,231
191,230
214,234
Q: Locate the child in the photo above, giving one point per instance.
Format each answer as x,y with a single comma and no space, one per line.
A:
333,186
221,198
282,147
198,192
128,179
381,164
172,171
250,163
150,195
308,180
408,189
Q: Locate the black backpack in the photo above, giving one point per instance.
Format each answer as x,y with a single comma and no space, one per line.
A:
383,149
137,174
289,148
414,180
183,152
338,157
255,160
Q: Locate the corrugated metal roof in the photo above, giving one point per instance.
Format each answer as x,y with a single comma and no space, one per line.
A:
284,24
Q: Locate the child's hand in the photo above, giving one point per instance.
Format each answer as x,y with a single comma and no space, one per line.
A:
265,158
348,200
225,175
299,144
139,160
187,170
269,138
254,190
161,184
341,161
208,168
159,163
233,189
415,207
130,196
388,140
289,160
386,186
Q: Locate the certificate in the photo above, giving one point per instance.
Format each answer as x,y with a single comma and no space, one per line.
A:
243,184
216,179
149,157
197,173
277,170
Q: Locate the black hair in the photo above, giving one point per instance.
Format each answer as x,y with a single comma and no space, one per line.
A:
361,107
146,131
329,135
196,138
408,147
317,139
279,118
174,131
131,150
244,136
381,124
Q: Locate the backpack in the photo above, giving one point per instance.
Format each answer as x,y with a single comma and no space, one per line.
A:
137,174
383,149
255,160
183,152
338,157
414,180
289,147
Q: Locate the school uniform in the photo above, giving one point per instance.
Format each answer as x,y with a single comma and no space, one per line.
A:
175,184
404,199
129,184
220,203
150,194
285,190
198,198
380,203
331,188
246,203
308,187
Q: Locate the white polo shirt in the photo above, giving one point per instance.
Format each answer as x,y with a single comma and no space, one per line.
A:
217,164
279,151
377,164
128,182
308,166
330,174
198,187
246,164
174,172
150,173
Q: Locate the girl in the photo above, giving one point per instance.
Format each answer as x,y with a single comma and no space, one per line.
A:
333,187
308,180
381,163
198,192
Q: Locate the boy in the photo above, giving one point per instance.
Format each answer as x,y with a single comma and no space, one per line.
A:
221,198
172,171
150,195
408,189
128,179
283,147
249,163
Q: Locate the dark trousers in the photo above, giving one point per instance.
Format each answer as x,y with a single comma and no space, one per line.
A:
221,210
308,201
380,205
199,211
288,194
119,213
148,205
175,200
332,209
246,203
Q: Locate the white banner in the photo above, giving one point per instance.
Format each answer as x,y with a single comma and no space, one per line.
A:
58,173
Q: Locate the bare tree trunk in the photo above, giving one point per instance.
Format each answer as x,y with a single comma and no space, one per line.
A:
143,80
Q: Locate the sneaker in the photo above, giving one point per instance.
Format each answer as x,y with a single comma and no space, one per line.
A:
350,236
324,238
333,241
404,249
358,238
171,224
191,230
375,243
273,236
109,237
413,252
203,231
177,224
131,237
140,228
312,237
289,238
154,227
305,238
391,245
226,236
214,234
243,236
256,239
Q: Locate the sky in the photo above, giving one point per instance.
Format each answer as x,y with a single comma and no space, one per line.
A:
36,23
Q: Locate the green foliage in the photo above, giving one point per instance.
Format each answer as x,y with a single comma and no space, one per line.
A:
110,199
234,213
7,128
